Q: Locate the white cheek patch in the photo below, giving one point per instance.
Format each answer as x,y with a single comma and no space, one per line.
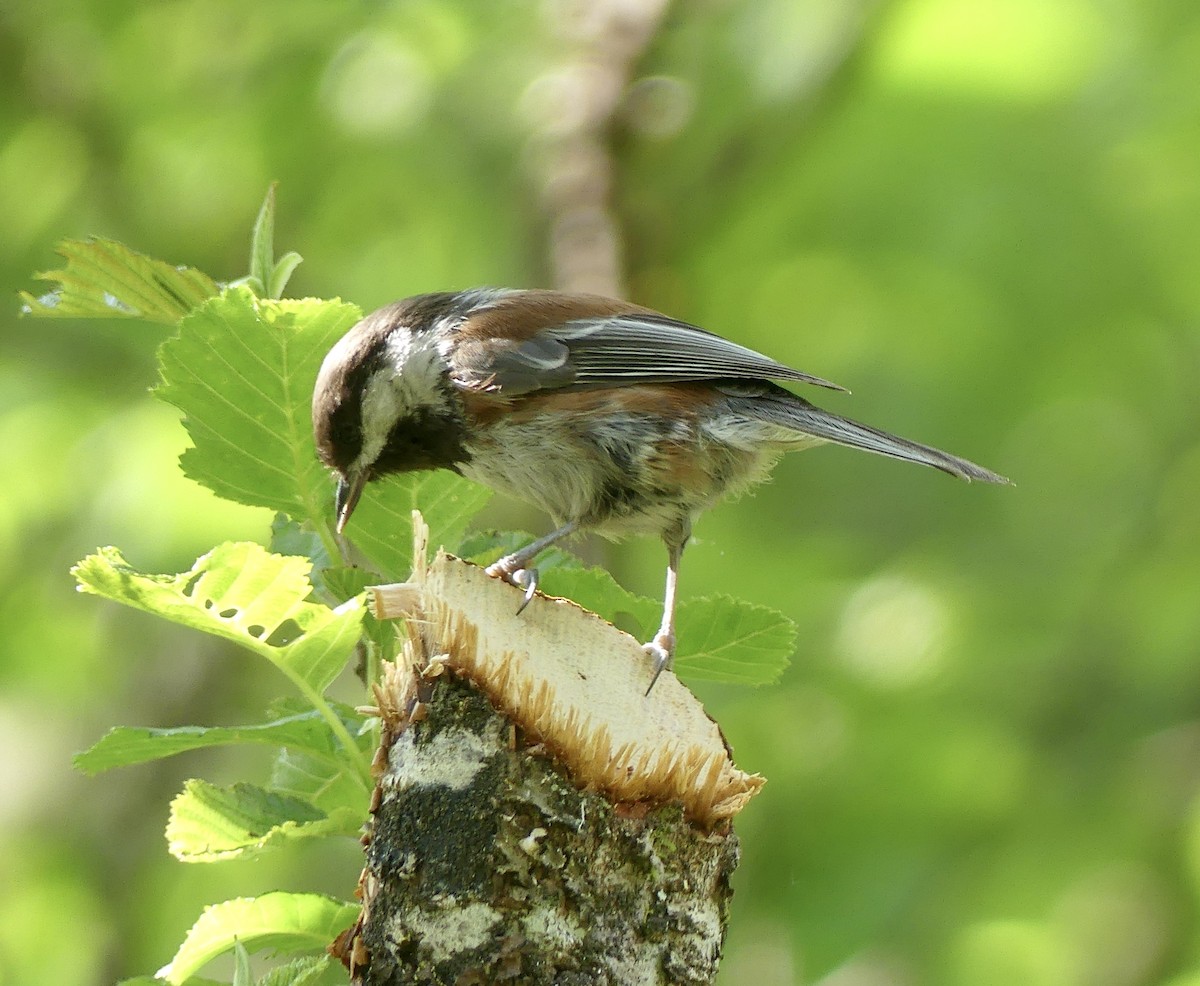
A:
410,378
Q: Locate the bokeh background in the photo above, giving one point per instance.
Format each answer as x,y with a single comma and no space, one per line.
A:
983,216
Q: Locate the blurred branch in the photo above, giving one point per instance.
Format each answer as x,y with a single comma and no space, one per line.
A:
575,104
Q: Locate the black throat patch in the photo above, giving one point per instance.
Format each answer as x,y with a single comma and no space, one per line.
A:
429,438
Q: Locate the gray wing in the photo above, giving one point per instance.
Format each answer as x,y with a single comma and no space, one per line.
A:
612,350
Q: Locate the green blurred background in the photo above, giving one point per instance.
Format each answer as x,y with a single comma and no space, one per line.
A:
983,216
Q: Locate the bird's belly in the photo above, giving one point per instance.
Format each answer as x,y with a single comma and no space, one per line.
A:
613,474
537,466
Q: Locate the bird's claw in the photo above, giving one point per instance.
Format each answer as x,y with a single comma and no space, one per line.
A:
522,578
662,650
527,579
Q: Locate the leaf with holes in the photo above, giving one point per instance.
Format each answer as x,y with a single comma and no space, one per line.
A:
243,593
105,279
242,371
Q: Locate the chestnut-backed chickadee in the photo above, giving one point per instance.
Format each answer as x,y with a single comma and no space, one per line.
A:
610,417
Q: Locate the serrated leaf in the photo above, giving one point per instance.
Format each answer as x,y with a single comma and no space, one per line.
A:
209,823
726,639
105,279
243,593
127,745
280,921
308,774
596,590
381,526
289,537
719,638
242,371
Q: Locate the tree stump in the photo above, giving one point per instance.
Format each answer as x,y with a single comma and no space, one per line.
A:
537,818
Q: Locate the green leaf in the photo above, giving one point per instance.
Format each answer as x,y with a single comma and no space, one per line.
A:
596,590
381,526
155,981
720,638
242,976
209,823
485,547
280,921
242,371
289,537
126,745
725,639
105,279
243,593
268,278
262,243
310,773
282,272
300,774
308,971
344,582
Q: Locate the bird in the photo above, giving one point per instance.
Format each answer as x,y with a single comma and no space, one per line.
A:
611,417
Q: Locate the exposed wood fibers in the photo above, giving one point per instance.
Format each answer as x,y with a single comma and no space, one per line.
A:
569,680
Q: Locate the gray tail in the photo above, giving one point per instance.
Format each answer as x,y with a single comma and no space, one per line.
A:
808,419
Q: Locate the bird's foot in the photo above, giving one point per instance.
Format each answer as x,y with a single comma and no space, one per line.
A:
662,650
522,578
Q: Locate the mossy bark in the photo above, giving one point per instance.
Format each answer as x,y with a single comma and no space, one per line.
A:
486,865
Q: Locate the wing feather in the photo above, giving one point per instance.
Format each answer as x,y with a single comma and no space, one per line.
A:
608,348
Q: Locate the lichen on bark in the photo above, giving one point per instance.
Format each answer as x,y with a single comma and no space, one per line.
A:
487,865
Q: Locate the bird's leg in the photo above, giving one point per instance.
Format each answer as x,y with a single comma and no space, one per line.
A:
662,647
512,568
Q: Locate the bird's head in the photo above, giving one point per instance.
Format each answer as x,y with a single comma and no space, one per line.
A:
383,400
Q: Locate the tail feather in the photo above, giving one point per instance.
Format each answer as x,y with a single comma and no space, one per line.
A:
808,419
